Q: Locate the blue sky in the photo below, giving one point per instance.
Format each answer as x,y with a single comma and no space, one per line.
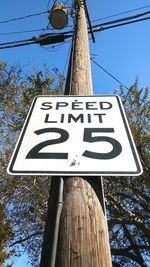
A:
123,51
21,261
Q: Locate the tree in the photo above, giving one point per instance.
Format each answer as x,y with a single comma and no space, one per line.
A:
5,237
128,197
25,198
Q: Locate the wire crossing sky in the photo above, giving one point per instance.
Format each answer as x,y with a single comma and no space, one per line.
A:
119,56
95,28
122,50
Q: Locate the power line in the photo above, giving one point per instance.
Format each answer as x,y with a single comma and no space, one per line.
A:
48,5
89,21
33,30
24,17
94,26
17,45
67,58
17,42
122,19
55,48
111,75
26,31
37,38
122,13
44,12
56,34
121,24
42,40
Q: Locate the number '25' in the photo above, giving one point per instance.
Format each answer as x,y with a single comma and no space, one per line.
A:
35,153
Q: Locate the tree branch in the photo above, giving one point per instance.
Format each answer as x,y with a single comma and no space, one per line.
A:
25,239
134,246
119,206
125,253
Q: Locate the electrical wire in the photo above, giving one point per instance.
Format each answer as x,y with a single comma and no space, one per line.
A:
17,42
54,48
123,19
54,2
67,58
34,30
117,80
93,26
98,26
34,40
48,5
26,31
66,2
122,13
44,12
37,38
24,17
17,45
111,75
119,25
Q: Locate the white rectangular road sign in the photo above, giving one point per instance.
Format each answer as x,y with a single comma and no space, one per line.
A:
76,135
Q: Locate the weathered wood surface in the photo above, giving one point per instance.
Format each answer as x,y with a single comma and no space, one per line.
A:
81,83
83,236
83,240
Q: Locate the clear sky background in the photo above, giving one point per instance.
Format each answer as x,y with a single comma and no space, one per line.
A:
123,51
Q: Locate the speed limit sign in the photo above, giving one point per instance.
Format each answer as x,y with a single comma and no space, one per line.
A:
76,135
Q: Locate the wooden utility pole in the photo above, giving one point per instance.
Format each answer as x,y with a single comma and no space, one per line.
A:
83,236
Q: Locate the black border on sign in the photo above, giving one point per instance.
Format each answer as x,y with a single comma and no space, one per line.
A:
83,173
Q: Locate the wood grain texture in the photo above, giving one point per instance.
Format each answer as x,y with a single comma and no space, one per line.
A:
83,235
83,239
81,83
